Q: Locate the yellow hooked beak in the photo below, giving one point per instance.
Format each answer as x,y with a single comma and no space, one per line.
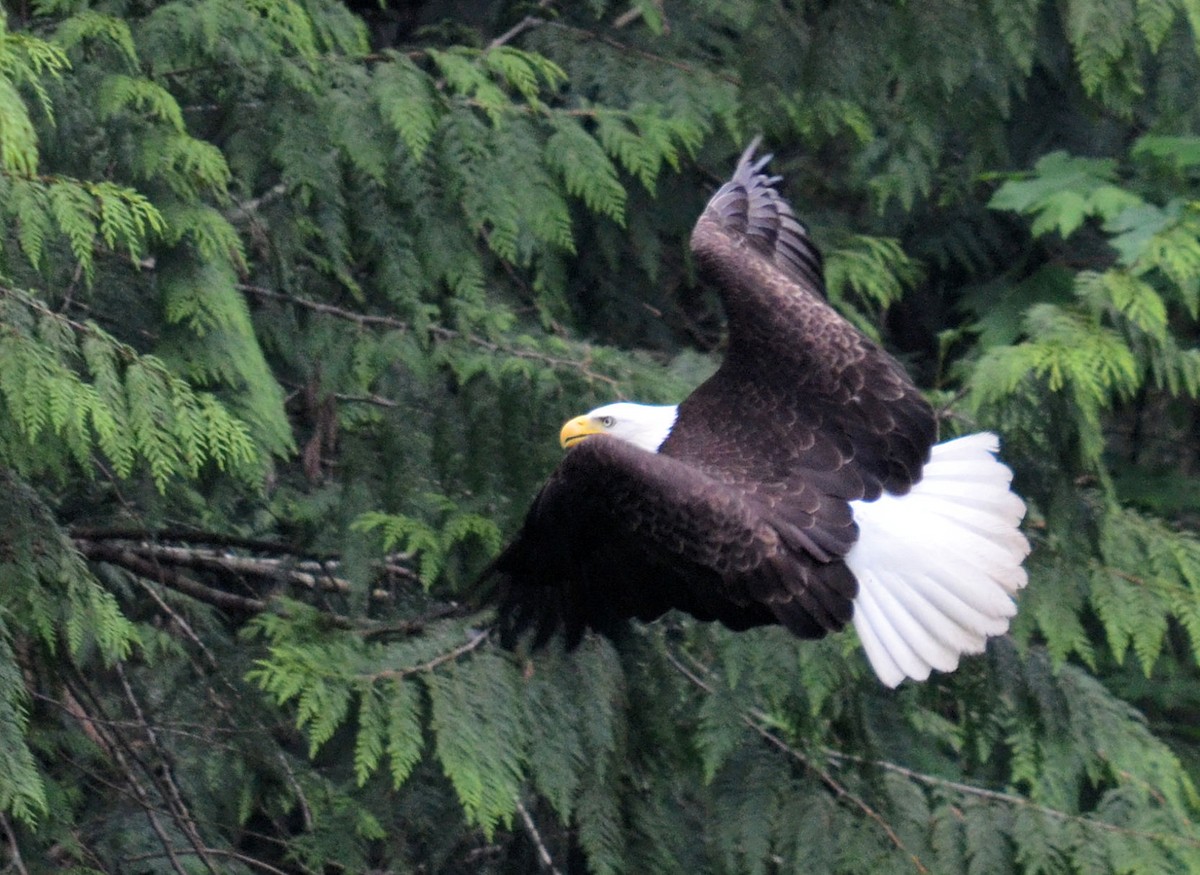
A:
577,429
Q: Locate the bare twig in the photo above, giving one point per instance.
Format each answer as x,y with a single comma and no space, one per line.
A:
18,864
118,746
125,557
1008,798
635,12
217,852
310,574
627,17
125,793
437,332
160,564
536,838
293,782
248,208
40,306
526,23
641,53
374,399
312,570
329,309
161,774
189,535
315,575
180,622
202,732
440,659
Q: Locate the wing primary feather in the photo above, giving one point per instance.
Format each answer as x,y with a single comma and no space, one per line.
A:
748,204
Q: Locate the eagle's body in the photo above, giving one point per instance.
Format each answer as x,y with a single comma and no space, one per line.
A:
798,485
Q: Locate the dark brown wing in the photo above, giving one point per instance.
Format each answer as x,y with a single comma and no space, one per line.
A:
803,400
618,532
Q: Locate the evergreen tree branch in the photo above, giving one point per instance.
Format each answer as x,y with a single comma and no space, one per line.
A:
757,721
839,789
1011,799
437,332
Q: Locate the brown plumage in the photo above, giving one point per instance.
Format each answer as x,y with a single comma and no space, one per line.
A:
746,513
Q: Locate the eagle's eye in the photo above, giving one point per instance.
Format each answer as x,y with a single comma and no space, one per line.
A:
607,421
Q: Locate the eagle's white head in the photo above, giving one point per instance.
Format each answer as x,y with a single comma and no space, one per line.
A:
643,425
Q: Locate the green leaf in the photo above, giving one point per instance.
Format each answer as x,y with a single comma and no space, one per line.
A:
1181,152
1063,191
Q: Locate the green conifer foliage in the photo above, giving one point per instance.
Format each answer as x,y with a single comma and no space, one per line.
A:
295,295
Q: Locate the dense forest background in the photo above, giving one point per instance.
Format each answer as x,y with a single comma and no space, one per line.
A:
294,295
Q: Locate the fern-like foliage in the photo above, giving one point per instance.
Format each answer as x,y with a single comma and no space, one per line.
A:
24,793
876,270
49,598
433,544
1115,336
129,407
25,61
1063,191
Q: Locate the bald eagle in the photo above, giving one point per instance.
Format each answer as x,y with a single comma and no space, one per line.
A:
799,485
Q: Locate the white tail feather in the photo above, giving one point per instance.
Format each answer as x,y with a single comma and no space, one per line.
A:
937,568
865,620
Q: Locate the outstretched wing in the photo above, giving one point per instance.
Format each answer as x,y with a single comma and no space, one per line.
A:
618,532
803,399
744,514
